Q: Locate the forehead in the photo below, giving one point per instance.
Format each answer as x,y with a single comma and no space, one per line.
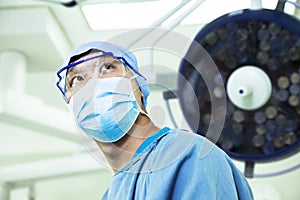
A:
78,56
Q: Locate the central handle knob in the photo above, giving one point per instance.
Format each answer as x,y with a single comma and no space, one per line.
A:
249,87
244,91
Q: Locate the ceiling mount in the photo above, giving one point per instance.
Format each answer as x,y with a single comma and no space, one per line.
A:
67,3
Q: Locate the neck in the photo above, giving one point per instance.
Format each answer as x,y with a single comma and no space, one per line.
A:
119,153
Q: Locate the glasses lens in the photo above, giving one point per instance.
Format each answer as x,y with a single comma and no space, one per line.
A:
91,67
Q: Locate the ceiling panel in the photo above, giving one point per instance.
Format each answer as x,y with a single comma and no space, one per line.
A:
35,32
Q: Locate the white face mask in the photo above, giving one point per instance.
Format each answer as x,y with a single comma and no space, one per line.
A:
105,108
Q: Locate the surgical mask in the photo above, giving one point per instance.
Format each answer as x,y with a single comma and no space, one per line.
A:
105,108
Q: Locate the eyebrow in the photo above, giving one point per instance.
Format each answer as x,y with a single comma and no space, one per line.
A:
115,60
70,71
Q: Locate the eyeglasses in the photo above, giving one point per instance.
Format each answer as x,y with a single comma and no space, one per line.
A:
86,71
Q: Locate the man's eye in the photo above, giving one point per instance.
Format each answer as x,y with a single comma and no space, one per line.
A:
76,80
105,67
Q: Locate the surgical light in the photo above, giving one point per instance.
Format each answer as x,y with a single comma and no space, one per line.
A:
258,56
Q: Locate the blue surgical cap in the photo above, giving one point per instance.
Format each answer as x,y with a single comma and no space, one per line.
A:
119,52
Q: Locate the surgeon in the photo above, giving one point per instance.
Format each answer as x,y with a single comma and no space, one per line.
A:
107,95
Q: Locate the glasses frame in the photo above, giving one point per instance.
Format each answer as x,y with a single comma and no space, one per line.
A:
122,59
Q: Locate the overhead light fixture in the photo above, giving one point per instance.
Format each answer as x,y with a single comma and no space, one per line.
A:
106,16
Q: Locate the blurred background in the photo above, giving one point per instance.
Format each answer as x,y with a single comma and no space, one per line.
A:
42,157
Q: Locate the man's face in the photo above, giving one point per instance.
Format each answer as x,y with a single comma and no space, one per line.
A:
103,67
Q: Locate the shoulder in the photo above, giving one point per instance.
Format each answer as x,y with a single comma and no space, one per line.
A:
186,157
179,145
178,148
190,142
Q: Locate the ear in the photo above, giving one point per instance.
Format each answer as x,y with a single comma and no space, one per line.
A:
142,102
142,98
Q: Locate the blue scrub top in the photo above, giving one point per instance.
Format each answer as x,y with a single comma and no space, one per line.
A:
177,164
